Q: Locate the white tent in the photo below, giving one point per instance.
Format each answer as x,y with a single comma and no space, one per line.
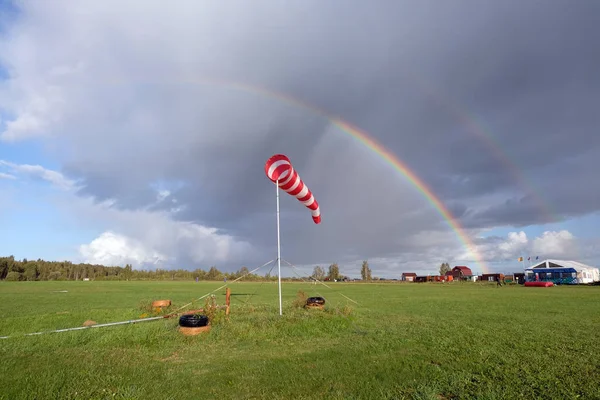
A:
559,270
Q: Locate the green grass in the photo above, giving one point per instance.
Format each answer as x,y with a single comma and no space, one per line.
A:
413,341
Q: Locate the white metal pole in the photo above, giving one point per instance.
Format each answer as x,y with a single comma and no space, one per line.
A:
278,250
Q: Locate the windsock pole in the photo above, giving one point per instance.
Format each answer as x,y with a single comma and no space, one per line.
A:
278,250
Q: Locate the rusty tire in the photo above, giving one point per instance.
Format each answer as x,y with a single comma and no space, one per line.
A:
315,306
161,303
194,331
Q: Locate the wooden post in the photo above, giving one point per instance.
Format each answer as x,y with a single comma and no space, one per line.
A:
227,300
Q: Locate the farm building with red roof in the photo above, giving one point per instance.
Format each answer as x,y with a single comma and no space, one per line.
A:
460,272
409,276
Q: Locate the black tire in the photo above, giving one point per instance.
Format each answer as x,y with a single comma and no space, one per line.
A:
315,300
193,320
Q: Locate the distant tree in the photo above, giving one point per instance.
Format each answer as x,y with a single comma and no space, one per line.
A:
365,271
127,272
4,266
213,274
13,276
243,271
54,275
200,273
18,266
445,267
30,271
318,273
334,272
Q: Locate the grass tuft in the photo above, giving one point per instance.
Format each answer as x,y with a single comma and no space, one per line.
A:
300,300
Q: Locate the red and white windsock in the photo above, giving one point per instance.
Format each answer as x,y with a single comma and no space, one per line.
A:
279,168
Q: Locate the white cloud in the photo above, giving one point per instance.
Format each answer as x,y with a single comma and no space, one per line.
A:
37,171
155,238
515,243
34,117
114,249
162,194
139,237
556,245
7,176
500,254
550,244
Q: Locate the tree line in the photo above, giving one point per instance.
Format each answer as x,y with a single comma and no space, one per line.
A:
42,270
333,274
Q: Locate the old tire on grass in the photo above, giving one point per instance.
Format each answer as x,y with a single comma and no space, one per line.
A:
161,303
315,301
193,324
193,320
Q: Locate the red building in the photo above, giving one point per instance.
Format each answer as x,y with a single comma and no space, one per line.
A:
461,272
409,276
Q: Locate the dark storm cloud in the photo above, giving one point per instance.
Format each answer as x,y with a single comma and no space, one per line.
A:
572,191
539,59
427,79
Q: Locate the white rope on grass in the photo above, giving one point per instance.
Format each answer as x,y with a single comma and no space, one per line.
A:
131,321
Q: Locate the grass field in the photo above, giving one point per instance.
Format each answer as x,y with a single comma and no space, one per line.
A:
414,341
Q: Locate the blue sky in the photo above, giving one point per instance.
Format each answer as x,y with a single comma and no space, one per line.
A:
36,228
8,12
31,152
170,174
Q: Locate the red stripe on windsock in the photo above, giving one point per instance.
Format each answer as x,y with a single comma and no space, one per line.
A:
279,170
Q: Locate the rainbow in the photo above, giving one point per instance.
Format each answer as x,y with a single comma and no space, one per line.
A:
365,139
417,182
476,127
